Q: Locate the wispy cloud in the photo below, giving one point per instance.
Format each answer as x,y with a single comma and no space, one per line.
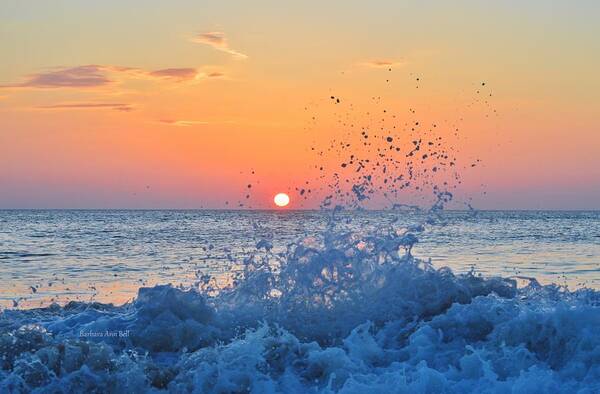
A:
182,123
80,77
91,76
176,73
382,63
68,106
218,41
216,74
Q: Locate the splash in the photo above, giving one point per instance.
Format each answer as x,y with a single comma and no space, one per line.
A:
378,153
343,310
340,311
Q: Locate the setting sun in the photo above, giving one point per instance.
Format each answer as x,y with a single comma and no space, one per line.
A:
281,199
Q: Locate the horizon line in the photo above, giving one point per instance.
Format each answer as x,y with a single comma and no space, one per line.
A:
308,209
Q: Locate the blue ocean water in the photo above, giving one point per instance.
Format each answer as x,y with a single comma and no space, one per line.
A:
106,255
300,301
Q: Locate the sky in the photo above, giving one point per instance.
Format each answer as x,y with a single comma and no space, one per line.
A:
183,104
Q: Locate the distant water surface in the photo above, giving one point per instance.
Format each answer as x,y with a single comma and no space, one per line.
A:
106,255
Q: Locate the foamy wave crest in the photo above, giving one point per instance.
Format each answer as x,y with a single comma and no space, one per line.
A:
339,312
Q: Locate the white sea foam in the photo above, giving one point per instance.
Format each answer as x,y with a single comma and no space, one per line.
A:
341,311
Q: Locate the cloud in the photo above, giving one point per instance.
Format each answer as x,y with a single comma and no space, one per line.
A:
176,73
91,76
80,77
182,123
115,106
216,74
382,63
186,123
218,41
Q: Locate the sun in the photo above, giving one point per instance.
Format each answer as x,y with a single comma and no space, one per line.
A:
281,199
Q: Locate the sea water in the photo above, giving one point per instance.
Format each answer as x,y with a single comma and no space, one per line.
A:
58,256
402,301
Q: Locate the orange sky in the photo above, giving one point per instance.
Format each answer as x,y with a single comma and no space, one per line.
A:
174,104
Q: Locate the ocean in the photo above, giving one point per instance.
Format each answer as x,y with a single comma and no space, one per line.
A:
351,301
115,251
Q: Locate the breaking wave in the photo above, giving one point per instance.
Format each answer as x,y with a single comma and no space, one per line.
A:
337,312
